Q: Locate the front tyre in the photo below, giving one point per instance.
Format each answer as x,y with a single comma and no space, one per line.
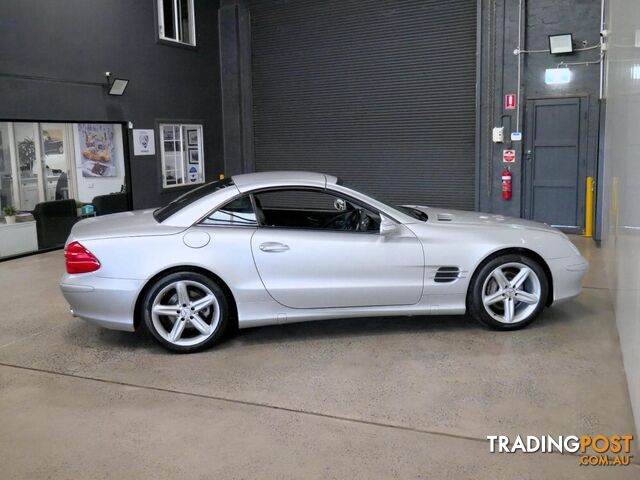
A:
508,292
185,311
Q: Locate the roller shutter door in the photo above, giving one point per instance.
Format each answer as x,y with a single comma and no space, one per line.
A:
378,92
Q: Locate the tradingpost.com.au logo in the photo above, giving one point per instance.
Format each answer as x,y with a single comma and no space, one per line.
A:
592,449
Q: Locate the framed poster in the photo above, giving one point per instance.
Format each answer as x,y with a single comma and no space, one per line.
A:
192,138
97,149
194,156
144,142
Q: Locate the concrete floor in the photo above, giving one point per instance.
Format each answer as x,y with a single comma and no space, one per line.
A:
368,398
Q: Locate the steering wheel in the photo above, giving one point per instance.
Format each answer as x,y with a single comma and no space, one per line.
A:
349,220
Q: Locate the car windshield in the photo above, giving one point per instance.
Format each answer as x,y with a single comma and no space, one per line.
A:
162,213
412,212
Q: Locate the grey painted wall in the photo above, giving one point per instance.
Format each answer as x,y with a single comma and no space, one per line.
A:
73,42
78,40
499,77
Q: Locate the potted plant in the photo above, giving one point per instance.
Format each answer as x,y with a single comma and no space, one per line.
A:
78,208
26,154
9,215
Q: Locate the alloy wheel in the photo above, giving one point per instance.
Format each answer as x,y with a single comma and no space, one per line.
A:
511,293
185,313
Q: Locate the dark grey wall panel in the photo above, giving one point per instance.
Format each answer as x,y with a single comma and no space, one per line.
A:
541,18
69,44
378,92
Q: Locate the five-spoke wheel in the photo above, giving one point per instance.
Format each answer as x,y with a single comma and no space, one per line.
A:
508,292
185,311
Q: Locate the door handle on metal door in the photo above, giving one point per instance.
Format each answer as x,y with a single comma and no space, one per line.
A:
273,247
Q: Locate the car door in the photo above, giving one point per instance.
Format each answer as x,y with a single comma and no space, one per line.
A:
303,264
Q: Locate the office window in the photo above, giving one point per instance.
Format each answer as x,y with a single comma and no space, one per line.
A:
176,21
182,155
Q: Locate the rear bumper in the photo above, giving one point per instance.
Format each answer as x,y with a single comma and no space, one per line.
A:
107,302
568,274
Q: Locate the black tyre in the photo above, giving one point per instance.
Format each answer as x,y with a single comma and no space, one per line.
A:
186,312
508,292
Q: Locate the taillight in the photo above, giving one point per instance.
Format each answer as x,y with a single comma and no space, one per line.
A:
80,260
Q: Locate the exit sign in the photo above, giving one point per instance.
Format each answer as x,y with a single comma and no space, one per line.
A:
510,101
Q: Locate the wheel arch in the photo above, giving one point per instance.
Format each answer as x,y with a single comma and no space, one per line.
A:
518,251
233,308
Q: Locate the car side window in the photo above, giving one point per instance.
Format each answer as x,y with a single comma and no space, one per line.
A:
238,212
313,209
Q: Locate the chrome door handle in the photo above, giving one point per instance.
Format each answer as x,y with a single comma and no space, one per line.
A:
273,247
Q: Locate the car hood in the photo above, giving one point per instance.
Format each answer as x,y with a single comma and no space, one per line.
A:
461,217
126,224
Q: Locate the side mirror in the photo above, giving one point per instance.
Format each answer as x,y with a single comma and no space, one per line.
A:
387,226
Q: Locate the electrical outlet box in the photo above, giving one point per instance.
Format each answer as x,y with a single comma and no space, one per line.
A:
498,134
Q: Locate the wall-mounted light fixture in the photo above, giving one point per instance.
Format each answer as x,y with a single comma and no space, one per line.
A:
562,43
557,76
117,86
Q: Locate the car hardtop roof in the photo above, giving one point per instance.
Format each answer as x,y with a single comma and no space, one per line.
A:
252,181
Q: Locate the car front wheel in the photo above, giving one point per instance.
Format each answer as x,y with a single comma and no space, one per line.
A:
185,311
508,292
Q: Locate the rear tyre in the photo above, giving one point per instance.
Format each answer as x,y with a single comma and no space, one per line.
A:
186,312
508,292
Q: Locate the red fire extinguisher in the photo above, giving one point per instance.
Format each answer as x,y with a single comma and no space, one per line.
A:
506,184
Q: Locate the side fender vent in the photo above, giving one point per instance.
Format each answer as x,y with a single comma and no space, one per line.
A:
446,274
445,217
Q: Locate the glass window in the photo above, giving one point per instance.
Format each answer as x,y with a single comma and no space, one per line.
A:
182,156
238,212
7,198
161,214
314,209
47,171
176,21
27,148
56,161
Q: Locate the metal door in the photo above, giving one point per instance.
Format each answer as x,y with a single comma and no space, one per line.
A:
368,89
555,162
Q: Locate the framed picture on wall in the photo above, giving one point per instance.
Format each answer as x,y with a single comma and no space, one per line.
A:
192,138
194,156
97,149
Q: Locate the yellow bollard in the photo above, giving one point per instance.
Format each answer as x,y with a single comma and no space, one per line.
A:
588,211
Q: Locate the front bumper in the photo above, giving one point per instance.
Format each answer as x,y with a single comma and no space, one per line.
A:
107,302
568,274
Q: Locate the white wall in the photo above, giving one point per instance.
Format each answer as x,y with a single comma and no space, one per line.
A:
621,227
89,187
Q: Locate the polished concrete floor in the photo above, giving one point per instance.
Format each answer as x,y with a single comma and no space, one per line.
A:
369,398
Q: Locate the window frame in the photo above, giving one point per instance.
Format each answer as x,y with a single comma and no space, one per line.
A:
201,221
183,127
160,25
328,191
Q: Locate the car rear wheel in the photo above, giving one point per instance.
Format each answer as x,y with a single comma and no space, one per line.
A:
186,311
508,292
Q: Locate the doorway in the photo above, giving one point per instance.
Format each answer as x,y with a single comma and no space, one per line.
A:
555,162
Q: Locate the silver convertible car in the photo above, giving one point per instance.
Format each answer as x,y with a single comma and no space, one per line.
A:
278,247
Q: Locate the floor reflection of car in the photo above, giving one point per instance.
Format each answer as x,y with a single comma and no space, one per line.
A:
278,247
